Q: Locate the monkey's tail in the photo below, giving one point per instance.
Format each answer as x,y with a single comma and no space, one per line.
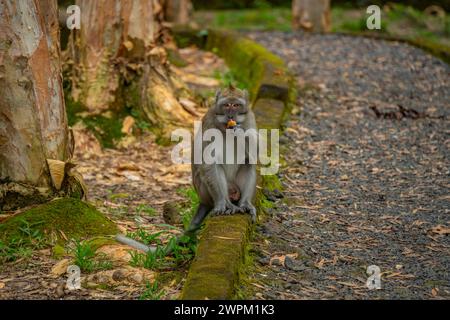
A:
134,244
196,222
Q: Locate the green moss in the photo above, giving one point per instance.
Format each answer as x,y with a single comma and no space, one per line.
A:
58,251
271,182
75,218
107,129
249,61
185,37
101,241
73,109
219,257
165,278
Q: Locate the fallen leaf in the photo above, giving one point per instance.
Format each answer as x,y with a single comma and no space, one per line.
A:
60,267
440,229
319,264
281,258
127,124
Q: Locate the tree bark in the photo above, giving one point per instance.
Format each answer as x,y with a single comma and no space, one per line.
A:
119,60
178,11
311,15
33,123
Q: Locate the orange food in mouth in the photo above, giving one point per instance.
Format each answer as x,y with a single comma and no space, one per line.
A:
231,124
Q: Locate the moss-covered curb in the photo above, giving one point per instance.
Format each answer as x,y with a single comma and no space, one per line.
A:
216,270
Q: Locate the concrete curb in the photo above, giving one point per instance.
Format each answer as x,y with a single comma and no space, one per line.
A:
216,270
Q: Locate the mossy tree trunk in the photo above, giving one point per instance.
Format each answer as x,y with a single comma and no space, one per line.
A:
119,61
33,123
311,15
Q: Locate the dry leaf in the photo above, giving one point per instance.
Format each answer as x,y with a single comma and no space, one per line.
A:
434,292
282,258
320,264
440,229
57,172
60,268
128,44
127,124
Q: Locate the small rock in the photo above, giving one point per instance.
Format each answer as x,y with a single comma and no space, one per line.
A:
60,290
136,277
294,265
171,213
119,275
277,193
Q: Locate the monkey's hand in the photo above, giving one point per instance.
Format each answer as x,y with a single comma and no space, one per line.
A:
225,207
246,206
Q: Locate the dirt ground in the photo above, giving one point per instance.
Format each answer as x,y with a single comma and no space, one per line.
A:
366,177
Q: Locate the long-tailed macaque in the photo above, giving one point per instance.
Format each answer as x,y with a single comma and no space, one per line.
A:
226,188
223,188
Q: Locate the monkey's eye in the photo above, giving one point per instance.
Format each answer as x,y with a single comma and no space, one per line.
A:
236,105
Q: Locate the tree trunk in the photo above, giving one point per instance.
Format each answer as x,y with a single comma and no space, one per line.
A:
33,123
311,15
178,11
119,60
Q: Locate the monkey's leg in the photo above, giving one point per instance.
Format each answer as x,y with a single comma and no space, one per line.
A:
246,181
217,186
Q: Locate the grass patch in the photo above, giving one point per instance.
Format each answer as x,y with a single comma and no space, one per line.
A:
174,253
193,201
146,209
152,291
85,258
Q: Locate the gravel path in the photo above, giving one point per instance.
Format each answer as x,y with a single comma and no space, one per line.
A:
367,174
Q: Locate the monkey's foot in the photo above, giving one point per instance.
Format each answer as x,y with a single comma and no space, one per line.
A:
248,207
225,208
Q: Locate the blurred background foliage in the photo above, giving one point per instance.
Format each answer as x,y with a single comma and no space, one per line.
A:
423,21
246,4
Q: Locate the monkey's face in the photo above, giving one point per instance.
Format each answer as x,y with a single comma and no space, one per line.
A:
230,112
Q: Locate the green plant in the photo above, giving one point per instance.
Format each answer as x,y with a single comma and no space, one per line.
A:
188,212
175,252
23,243
146,209
145,237
150,260
151,292
84,255
140,122
182,249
